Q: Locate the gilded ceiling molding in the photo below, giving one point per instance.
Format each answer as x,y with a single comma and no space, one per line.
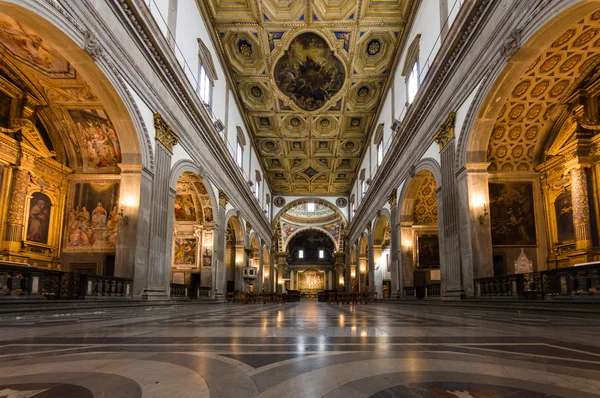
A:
163,133
223,199
392,198
446,132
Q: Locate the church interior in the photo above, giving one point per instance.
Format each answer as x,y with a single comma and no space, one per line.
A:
309,198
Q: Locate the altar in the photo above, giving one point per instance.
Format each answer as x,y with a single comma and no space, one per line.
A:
311,282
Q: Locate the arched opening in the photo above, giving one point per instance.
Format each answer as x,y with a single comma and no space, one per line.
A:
234,255
267,271
364,284
311,253
353,273
254,261
381,256
538,203
193,234
419,234
65,136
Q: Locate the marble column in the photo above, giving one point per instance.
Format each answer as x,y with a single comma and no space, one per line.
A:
396,284
475,231
157,281
450,254
581,208
16,207
261,269
220,249
371,262
132,238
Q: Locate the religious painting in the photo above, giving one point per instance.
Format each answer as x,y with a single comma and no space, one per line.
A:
563,208
100,143
38,221
185,210
185,251
208,214
29,47
308,72
512,214
93,217
333,229
429,250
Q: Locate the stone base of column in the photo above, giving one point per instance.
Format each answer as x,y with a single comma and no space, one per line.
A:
154,294
453,295
582,256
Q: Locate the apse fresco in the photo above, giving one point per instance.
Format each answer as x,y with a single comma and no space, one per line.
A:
309,73
429,250
563,208
38,222
185,251
512,215
29,47
102,147
185,210
93,217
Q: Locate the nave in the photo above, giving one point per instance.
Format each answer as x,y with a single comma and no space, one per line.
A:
305,349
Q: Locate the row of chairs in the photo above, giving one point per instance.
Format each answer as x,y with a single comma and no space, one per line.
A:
254,298
351,298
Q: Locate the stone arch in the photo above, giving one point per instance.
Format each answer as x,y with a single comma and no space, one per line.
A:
296,202
314,228
421,231
188,166
503,75
67,37
234,247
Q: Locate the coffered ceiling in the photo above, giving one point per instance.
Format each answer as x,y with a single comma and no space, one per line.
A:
310,76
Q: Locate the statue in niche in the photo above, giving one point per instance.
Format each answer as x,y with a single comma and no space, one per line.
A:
563,208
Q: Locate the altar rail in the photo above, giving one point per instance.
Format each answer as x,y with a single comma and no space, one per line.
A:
26,282
179,290
579,283
430,291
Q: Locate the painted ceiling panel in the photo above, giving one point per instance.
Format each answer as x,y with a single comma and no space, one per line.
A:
310,76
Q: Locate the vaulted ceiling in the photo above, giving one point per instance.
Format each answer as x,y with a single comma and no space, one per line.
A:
310,75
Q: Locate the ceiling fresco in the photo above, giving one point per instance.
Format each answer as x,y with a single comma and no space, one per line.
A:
66,111
535,101
310,76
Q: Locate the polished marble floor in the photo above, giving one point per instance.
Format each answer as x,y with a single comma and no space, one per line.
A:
305,349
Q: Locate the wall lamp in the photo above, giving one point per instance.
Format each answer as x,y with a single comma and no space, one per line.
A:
124,219
484,215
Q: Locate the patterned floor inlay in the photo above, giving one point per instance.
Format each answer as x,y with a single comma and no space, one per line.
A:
300,349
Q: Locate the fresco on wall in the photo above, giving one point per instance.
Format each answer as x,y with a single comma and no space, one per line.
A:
93,217
29,47
185,251
333,229
308,72
429,250
205,202
101,145
512,215
563,208
311,281
38,222
185,210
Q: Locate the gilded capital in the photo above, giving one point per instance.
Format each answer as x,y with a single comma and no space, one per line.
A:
392,198
163,133
223,199
446,131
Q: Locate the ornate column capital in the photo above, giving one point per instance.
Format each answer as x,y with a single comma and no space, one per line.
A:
163,133
248,227
446,131
392,198
223,199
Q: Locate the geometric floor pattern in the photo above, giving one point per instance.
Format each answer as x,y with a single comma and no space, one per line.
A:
305,349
